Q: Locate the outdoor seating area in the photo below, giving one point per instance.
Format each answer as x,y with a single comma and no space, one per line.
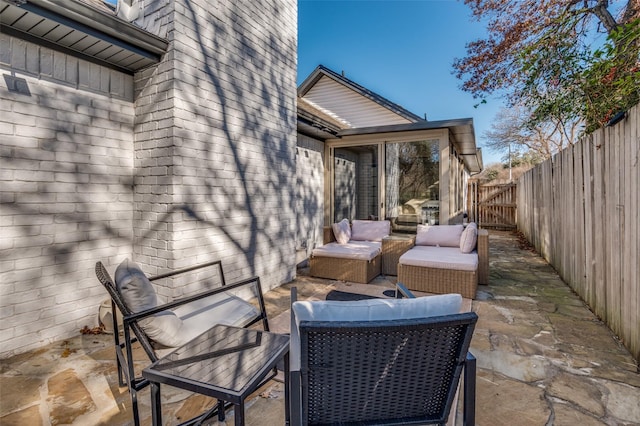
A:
542,358
202,225
438,259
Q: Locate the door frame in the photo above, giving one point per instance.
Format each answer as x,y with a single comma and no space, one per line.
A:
381,139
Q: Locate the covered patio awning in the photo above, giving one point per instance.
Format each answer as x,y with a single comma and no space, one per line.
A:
461,132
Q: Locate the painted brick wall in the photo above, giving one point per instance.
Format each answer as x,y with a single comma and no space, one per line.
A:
223,104
190,160
309,195
66,159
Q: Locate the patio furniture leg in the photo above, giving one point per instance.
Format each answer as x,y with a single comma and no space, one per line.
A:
221,413
238,414
296,398
295,380
287,391
134,406
156,408
469,415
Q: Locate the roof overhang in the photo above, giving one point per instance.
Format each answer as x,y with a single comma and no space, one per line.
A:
79,29
322,71
461,134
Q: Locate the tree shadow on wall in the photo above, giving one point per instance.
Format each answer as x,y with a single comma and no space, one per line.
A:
237,132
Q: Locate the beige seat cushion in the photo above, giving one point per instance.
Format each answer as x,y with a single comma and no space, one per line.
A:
439,235
356,250
370,230
440,257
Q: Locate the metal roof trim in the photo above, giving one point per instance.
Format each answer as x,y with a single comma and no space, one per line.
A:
423,125
472,160
110,25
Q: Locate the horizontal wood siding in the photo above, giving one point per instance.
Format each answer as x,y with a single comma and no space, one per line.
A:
349,106
580,210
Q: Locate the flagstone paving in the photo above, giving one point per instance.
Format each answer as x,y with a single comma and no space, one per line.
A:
543,359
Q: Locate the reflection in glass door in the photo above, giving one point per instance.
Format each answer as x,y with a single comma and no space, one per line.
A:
355,180
412,189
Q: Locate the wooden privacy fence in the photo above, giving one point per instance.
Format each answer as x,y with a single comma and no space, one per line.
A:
492,205
580,210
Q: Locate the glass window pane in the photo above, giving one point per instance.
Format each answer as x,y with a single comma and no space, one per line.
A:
412,184
355,183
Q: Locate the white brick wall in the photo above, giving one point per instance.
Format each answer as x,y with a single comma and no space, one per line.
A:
223,103
309,195
65,191
190,160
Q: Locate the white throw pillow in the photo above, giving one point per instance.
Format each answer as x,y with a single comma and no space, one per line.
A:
342,231
469,238
439,235
138,294
370,230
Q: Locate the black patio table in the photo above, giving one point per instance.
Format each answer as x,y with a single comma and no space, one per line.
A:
227,363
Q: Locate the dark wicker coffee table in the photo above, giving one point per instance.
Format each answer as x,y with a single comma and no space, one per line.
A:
227,363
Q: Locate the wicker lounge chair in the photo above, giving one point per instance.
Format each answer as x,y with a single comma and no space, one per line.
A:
358,260
403,369
197,312
440,274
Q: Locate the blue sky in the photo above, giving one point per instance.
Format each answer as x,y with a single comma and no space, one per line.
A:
402,50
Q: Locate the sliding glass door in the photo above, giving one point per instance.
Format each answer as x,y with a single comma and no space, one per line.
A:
403,177
412,184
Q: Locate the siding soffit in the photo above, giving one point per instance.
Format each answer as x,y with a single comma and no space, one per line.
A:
88,29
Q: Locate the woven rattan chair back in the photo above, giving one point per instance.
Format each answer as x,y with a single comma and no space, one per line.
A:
383,372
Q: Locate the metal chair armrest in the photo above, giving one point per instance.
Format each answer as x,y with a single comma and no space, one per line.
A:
402,291
189,299
189,269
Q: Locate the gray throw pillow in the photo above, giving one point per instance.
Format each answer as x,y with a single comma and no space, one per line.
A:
138,294
134,287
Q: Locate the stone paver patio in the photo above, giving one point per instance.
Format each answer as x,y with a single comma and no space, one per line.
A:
543,359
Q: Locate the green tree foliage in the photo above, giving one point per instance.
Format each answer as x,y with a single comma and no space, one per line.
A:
419,170
539,54
611,83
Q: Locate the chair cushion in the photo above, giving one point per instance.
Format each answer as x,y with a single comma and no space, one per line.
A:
370,230
469,238
221,308
440,257
139,295
342,231
439,235
200,315
356,250
368,310
134,287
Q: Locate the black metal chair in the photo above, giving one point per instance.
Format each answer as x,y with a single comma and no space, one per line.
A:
133,332
392,371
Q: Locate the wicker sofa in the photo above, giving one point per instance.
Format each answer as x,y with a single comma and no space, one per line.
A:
351,252
438,262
